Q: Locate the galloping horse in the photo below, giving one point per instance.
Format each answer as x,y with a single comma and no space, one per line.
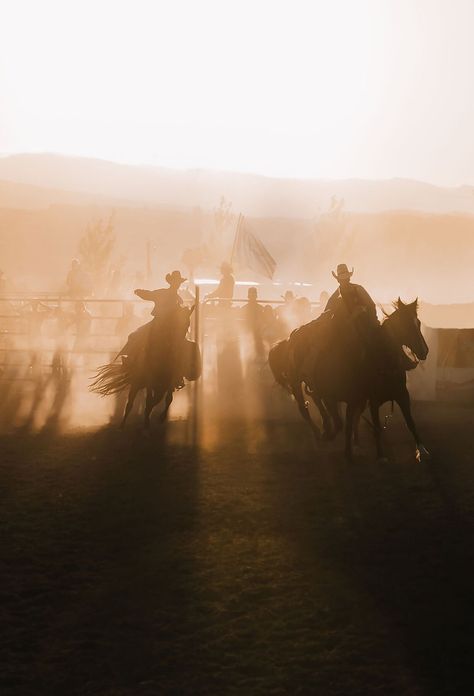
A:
287,373
340,373
159,363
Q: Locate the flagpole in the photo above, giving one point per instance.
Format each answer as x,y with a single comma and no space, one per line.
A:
237,229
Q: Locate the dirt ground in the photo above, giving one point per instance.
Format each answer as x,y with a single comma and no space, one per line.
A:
254,563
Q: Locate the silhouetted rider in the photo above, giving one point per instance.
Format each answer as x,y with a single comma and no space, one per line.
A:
355,297
361,311
225,290
169,324
165,299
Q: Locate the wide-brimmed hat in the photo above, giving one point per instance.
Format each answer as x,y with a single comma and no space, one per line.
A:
342,272
175,276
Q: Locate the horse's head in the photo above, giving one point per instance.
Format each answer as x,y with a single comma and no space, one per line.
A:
406,327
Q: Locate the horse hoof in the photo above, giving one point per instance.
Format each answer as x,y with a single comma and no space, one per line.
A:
422,454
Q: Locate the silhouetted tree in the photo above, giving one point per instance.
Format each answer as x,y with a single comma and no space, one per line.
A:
95,250
193,258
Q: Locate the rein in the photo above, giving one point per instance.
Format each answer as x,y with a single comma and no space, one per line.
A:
395,343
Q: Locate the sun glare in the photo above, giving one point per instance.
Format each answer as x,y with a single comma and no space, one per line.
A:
288,89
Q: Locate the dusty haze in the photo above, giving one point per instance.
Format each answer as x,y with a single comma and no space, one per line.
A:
402,237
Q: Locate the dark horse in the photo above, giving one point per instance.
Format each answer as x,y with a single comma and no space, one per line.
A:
161,357
342,371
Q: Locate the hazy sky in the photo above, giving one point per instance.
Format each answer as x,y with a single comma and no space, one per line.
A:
354,88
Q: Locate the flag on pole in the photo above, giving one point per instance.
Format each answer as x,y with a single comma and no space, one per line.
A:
250,252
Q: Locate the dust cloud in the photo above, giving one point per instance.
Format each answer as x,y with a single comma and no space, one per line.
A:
70,263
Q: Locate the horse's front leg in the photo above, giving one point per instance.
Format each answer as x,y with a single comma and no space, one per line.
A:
149,405
375,416
326,410
357,417
303,408
350,411
421,453
131,398
168,400
333,408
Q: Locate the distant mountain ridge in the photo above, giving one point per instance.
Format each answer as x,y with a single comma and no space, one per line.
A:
96,180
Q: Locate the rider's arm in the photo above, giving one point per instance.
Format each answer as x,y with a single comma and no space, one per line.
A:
145,294
366,300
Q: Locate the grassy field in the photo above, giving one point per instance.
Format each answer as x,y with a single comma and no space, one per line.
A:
254,563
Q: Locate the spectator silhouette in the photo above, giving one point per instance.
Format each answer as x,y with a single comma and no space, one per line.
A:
78,281
253,315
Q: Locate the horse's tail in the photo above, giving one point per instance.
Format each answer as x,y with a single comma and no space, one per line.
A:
278,361
110,379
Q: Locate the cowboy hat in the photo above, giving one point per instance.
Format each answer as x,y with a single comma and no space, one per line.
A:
342,272
175,276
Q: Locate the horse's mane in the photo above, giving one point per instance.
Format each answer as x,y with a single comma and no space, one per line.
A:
398,305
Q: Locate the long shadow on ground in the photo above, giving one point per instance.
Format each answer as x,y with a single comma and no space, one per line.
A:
256,564
96,567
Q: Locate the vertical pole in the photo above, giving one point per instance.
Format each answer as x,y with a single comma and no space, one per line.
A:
148,260
196,385
197,312
237,230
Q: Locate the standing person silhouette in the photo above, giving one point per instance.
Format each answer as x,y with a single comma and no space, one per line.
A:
253,315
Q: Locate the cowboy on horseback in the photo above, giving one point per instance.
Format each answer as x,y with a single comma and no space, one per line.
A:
348,324
355,297
167,329
166,299
352,304
156,355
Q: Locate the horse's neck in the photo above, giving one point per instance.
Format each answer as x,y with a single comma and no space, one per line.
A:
392,339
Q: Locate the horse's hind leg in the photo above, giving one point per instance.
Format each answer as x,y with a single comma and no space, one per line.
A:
131,398
404,402
168,400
